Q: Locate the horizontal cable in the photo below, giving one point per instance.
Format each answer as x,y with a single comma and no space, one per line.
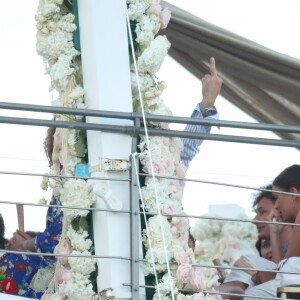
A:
141,260
66,255
63,176
211,292
135,131
145,175
149,117
237,268
149,213
218,183
66,207
243,269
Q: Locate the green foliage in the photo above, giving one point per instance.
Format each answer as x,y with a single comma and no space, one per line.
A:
81,143
71,6
133,33
80,223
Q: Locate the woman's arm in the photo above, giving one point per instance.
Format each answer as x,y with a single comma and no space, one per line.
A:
275,230
294,247
45,241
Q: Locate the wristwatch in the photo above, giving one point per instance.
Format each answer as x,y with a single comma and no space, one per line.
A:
207,111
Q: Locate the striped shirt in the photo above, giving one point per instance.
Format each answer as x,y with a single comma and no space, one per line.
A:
191,146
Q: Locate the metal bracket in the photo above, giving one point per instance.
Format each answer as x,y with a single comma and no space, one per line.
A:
107,164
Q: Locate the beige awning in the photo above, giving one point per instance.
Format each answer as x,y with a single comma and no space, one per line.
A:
260,81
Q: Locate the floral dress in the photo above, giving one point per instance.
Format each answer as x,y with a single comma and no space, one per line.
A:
18,270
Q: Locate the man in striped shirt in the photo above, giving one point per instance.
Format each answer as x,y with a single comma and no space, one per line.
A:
211,87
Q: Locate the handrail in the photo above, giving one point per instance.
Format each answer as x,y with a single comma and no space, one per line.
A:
136,130
149,117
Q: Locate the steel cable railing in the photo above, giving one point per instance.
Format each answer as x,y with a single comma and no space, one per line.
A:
134,131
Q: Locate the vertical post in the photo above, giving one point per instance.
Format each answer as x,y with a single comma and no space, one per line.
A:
107,85
20,214
137,277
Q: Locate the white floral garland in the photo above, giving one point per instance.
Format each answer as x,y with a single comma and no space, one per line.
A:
223,240
54,43
152,49
55,27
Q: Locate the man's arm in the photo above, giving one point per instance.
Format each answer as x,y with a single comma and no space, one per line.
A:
211,87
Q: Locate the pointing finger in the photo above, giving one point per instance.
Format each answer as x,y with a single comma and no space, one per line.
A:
213,70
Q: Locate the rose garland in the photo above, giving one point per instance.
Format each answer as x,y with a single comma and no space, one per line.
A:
225,240
55,27
54,42
147,17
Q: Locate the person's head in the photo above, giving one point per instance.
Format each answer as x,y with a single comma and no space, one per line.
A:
49,144
288,180
263,203
2,233
264,248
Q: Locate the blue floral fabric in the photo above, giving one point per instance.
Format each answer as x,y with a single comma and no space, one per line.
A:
17,270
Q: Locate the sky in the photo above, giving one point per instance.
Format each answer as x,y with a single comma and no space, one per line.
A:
273,23
233,163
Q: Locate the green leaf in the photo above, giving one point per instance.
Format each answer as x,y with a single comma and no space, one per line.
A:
75,223
81,142
84,224
133,33
80,223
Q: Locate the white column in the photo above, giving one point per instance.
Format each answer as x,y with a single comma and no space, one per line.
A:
106,74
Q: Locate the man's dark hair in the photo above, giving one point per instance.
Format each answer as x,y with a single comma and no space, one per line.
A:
266,193
258,246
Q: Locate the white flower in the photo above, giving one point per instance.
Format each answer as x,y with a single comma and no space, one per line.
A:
55,44
49,11
225,240
155,232
79,239
145,30
77,93
79,288
152,58
77,193
160,263
42,201
82,265
66,23
135,11
144,82
60,73
45,183
72,137
57,2
148,193
165,286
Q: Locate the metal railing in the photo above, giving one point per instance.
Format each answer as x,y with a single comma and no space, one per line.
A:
135,130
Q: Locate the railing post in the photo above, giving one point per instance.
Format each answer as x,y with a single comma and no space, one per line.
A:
137,277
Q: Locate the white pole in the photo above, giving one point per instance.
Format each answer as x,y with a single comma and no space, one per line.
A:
106,74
